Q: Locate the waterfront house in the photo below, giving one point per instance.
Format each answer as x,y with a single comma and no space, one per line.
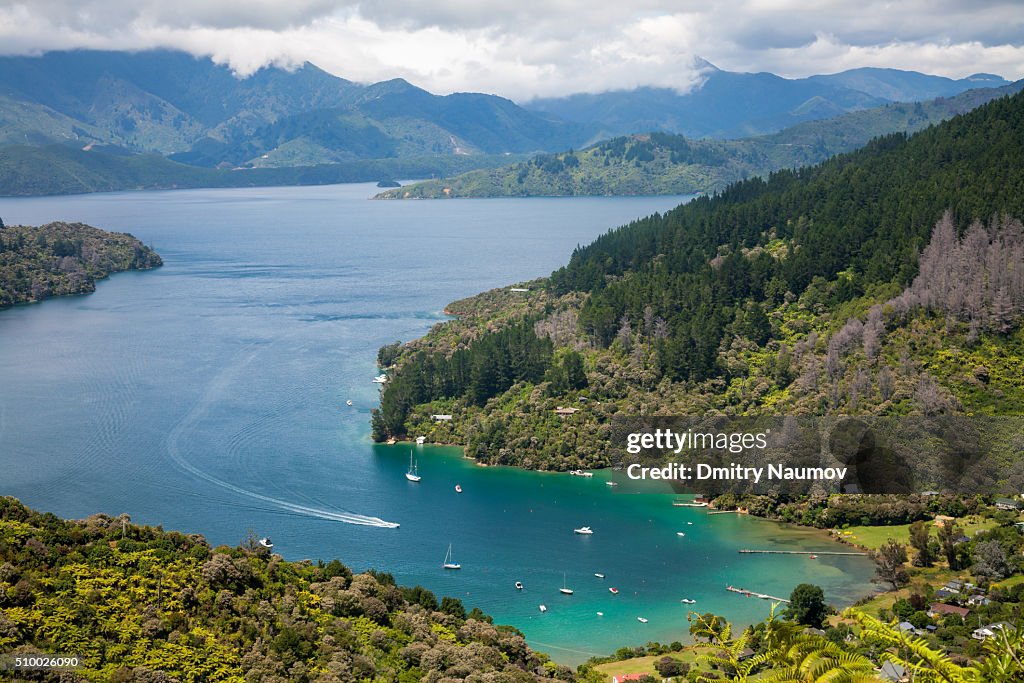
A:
1007,504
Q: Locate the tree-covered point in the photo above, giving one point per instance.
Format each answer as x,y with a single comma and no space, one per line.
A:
141,604
488,366
64,258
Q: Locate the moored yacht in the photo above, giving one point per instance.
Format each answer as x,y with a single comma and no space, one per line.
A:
583,531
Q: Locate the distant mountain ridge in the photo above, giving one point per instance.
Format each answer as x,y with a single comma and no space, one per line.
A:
167,106
200,113
665,163
730,105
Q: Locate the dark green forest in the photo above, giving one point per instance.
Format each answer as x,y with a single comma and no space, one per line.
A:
714,263
883,281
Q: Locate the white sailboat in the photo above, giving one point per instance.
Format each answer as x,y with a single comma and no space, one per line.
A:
448,564
413,473
564,589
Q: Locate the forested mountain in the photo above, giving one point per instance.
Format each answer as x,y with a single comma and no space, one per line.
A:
730,105
172,103
138,604
662,163
810,291
64,258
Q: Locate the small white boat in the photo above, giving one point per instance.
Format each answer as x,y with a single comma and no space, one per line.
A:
564,589
413,473
688,601
613,590
690,523
641,620
348,402
519,585
448,562
458,488
600,614
583,531
380,379
543,608
680,533
265,542
586,474
420,440
611,483
600,576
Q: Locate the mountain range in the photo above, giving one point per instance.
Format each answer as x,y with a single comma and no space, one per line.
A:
730,105
667,163
190,110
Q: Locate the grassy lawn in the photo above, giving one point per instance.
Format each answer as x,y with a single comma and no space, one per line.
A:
874,536
1011,582
644,665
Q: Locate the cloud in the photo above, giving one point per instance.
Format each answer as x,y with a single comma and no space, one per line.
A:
529,48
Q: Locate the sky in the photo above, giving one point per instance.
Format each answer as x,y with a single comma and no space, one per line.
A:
523,49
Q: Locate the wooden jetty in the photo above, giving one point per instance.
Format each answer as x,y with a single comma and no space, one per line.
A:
803,552
755,594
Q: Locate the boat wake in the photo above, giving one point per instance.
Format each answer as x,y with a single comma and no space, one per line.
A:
187,423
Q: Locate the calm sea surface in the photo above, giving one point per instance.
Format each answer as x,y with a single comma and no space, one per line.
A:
209,396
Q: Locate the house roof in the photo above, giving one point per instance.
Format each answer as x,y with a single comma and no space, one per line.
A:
893,672
943,608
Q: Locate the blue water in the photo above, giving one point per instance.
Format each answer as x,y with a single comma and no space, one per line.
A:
209,396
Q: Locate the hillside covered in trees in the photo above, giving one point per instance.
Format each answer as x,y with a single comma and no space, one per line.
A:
64,258
884,281
141,604
664,163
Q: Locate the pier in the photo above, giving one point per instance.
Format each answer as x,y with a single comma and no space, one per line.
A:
803,552
755,594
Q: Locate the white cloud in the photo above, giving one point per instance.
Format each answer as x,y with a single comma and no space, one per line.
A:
528,48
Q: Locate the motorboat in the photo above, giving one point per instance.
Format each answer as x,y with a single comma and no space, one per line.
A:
583,531
519,585
543,608
613,590
265,543
641,620
458,488
600,576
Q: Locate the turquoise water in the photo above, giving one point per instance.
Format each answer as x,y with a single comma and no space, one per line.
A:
209,396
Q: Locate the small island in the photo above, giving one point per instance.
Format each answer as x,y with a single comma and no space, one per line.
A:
387,182
57,259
